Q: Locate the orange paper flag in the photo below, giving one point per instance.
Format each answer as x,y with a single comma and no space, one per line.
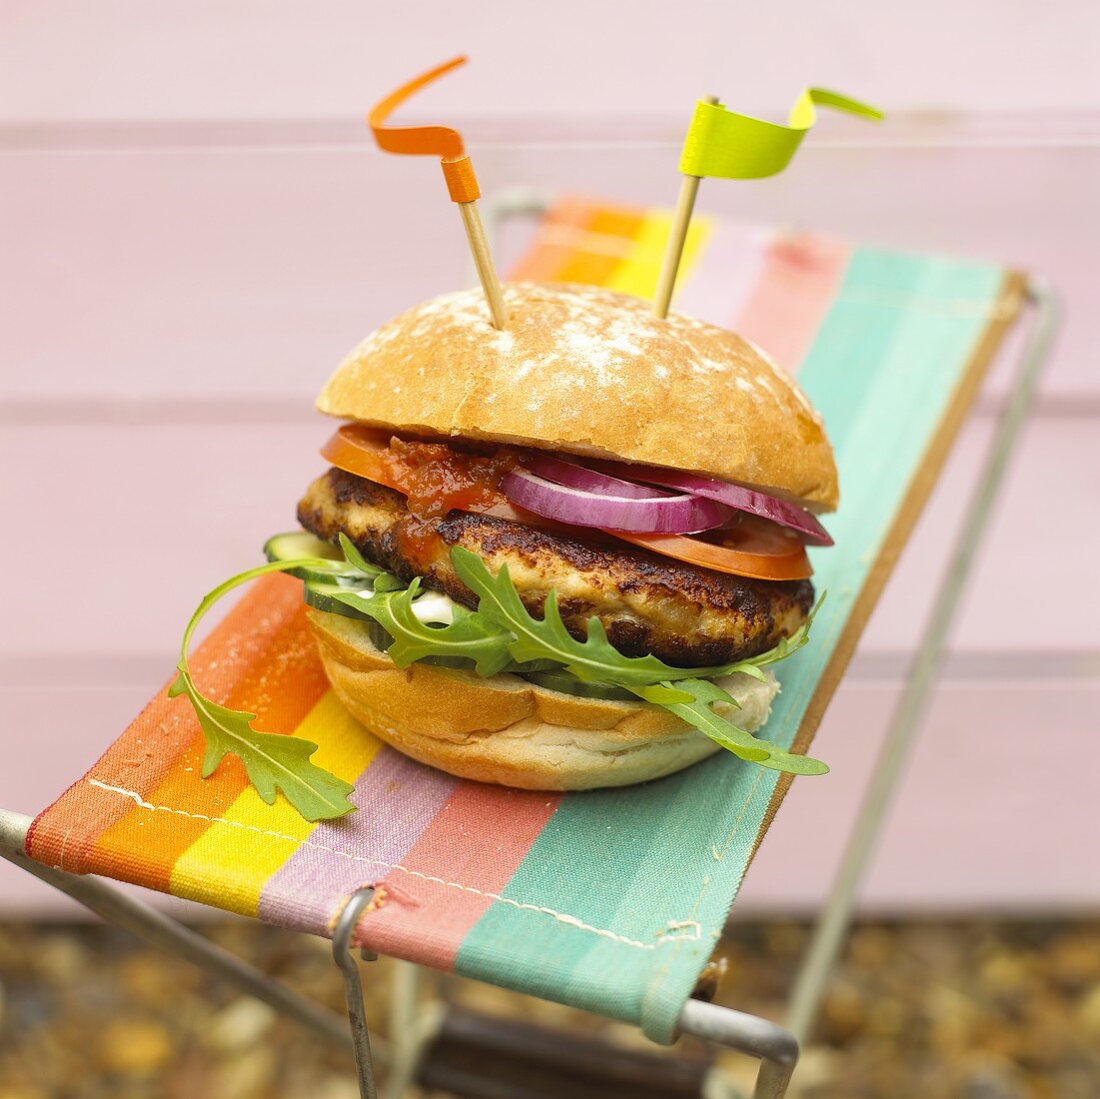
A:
462,185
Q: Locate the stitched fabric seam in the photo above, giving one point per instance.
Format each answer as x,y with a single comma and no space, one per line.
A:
659,976
694,931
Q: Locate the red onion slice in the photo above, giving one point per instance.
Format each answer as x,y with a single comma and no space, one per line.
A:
589,480
734,496
679,514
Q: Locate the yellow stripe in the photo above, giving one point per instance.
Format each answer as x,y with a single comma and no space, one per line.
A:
242,860
637,273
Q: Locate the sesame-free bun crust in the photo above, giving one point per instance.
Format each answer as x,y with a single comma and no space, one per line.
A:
586,371
508,731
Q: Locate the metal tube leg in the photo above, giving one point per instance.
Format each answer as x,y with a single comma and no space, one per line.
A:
404,999
776,1047
353,988
167,934
413,1024
773,1080
832,927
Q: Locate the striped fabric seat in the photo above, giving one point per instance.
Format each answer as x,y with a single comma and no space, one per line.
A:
610,901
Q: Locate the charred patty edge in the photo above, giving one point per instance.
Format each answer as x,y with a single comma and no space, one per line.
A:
755,604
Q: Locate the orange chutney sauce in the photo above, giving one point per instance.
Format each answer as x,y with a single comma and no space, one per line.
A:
438,479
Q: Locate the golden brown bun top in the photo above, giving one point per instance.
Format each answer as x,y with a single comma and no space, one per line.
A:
586,371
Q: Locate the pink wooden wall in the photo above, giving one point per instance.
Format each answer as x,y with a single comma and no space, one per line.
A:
195,230
201,59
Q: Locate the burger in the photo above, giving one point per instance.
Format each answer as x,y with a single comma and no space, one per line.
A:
566,554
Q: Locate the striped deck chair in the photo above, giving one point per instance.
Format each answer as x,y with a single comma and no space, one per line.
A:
610,901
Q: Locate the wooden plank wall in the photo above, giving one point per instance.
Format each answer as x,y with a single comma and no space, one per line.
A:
195,231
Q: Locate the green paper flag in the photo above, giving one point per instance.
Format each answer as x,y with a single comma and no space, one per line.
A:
722,143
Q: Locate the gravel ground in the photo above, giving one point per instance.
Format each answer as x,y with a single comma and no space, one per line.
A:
966,1010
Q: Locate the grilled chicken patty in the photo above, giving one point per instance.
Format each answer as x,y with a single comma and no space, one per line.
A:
685,615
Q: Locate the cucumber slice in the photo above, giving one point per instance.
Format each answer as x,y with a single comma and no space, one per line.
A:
319,594
569,684
299,543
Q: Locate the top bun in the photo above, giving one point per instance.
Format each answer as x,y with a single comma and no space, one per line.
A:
582,370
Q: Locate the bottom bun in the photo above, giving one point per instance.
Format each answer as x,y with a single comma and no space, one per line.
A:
508,731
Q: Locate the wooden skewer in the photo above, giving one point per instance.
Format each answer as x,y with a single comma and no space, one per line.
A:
462,185
681,219
483,260
666,283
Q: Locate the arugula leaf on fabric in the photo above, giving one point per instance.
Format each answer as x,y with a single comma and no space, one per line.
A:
271,761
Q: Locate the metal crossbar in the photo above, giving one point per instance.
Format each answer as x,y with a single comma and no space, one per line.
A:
159,930
776,1047
722,1025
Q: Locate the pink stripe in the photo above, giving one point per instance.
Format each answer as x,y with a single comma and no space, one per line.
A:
801,276
474,846
399,799
725,274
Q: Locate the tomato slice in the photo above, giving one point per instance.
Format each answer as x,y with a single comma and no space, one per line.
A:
753,547
436,478
362,450
366,452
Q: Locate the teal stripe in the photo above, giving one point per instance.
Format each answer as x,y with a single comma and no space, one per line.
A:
619,835
861,338
703,805
882,369
901,401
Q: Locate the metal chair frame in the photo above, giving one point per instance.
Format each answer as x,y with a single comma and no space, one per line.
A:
777,1047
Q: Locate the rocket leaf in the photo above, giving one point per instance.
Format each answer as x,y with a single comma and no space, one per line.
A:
272,762
501,635
686,692
469,636
733,738
355,558
594,660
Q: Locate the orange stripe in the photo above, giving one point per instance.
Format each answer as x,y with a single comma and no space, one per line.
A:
596,267
543,260
800,277
617,221
558,253
541,264
65,835
590,268
280,688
